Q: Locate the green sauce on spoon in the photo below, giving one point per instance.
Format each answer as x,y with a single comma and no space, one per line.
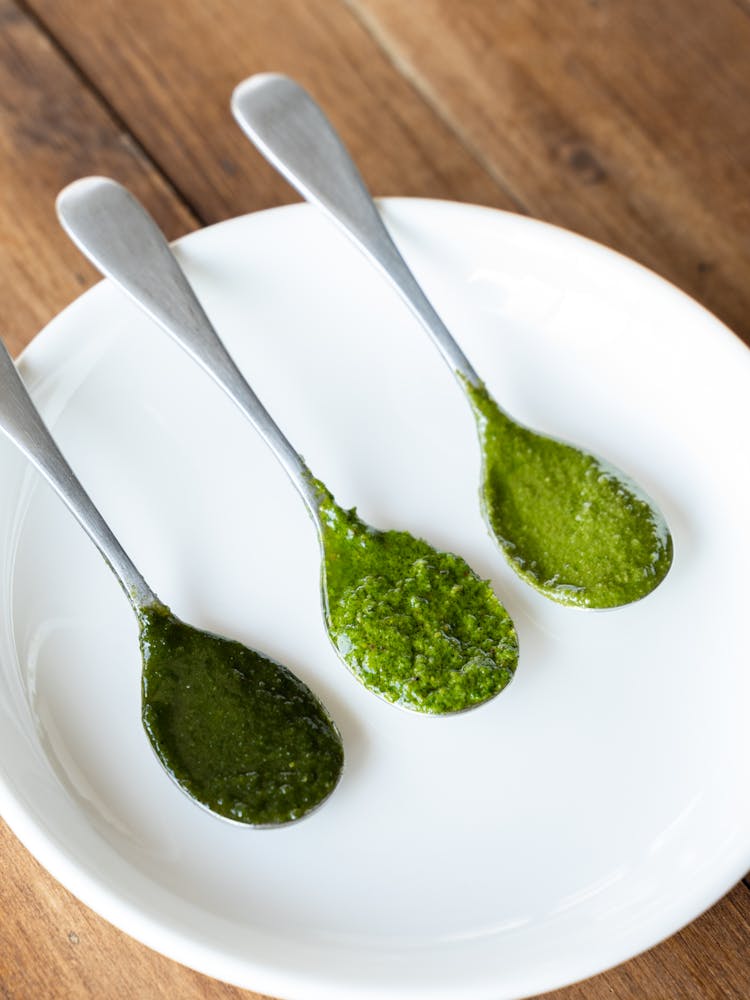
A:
415,625
571,525
237,731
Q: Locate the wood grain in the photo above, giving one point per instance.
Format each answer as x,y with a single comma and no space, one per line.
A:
707,961
626,122
169,71
53,130
53,948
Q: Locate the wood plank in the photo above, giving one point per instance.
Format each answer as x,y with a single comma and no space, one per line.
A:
707,961
169,70
52,947
622,121
53,130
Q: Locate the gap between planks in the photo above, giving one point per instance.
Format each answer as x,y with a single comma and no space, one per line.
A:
115,117
399,66
407,73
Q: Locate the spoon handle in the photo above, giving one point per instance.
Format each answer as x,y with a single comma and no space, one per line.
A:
293,133
119,237
21,421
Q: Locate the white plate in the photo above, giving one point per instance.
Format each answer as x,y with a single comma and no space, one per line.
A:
593,808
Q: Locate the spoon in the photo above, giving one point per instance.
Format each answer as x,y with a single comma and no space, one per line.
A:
238,732
570,524
414,625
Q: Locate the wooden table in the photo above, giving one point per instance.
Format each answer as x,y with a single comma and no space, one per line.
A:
625,120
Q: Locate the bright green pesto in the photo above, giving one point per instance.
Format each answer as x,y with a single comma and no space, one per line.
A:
572,526
240,733
416,626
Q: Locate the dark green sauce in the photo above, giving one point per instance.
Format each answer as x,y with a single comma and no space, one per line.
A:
415,625
240,733
571,525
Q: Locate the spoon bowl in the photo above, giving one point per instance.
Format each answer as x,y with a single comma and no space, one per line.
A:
415,625
239,732
576,528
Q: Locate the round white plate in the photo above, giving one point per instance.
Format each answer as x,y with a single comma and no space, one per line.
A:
590,810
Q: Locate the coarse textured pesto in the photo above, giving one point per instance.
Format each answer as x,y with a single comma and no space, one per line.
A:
415,625
574,527
239,732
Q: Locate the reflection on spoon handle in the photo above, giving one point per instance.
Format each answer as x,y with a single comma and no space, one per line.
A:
119,237
292,132
20,420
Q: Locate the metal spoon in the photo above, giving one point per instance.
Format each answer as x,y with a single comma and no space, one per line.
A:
238,732
572,525
414,625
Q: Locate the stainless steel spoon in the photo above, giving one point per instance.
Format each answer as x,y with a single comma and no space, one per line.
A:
414,625
238,732
572,525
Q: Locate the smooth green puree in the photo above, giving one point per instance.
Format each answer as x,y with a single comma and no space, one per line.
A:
574,527
415,625
239,732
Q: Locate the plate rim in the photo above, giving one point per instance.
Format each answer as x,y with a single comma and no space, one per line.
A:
155,933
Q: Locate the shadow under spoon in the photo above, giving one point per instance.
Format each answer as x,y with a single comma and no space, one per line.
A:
572,525
416,626
239,733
